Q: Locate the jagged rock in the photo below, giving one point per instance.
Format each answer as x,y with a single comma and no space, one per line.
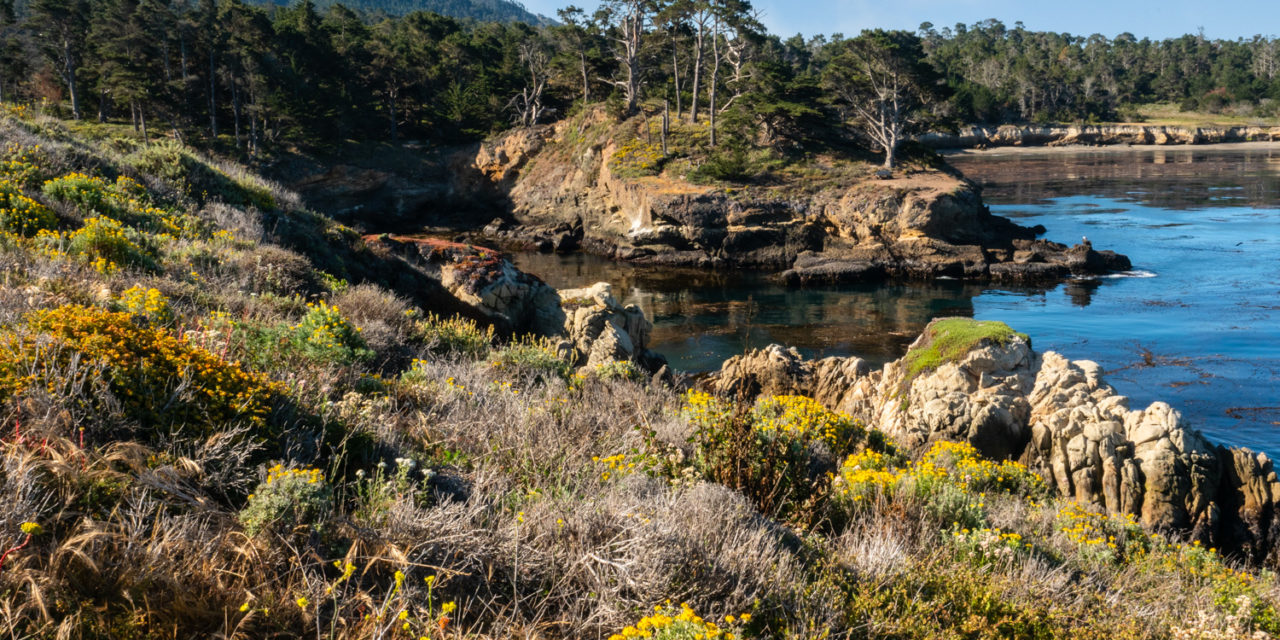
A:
596,327
1108,134
1057,416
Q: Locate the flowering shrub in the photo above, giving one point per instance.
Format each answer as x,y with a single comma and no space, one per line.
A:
21,165
987,544
159,379
289,498
20,214
108,245
704,410
865,476
637,158
537,358
804,417
1101,537
149,303
618,370
454,336
962,463
324,334
667,623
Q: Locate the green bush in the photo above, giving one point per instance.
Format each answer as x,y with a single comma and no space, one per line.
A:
325,335
288,499
536,358
456,336
196,178
108,245
22,215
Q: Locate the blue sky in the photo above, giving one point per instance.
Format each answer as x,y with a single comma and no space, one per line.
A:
1161,19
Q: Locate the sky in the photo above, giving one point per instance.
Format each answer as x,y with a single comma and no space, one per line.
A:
1228,19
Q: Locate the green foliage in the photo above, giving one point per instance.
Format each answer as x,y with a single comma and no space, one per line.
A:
288,499
618,370
20,214
146,302
195,177
108,245
325,335
536,358
160,380
454,336
951,339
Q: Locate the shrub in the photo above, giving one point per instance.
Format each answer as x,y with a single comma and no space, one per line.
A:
455,336
805,418
22,215
618,370
108,246
149,303
21,165
325,335
158,379
667,623
636,159
195,177
89,193
288,499
537,358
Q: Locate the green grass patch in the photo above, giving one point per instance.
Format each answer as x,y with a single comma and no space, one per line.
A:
950,339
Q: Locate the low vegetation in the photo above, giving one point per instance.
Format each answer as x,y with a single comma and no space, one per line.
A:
245,434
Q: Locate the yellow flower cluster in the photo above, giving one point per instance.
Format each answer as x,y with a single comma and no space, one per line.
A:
147,302
144,367
327,333
638,157
22,215
21,165
618,465
805,417
311,474
1111,537
961,461
702,409
865,476
31,528
667,623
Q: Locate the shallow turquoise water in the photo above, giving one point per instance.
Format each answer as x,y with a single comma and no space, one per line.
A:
1197,323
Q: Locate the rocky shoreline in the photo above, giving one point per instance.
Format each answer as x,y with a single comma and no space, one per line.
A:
838,227
985,137
1053,414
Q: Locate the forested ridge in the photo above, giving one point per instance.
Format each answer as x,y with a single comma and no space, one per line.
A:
315,73
483,10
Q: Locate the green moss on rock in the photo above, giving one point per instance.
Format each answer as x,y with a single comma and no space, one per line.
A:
948,340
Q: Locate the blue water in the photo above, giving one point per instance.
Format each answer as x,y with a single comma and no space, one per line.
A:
1196,324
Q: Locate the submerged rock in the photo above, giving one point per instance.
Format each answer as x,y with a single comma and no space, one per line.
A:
1055,415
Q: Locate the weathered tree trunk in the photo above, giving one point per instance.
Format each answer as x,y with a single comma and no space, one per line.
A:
675,72
235,109
715,81
213,95
142,120
697,72
69,74
586,82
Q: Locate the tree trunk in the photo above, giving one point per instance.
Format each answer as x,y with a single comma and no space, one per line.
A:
142,119
715,80
235,109
213,96
675,72
69,73
697,74
586,83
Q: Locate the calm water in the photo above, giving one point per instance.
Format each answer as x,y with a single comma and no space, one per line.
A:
1196,325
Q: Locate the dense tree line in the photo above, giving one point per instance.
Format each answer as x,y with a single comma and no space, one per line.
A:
302,74
1006,75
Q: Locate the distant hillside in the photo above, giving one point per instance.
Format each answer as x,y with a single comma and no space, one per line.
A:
483,10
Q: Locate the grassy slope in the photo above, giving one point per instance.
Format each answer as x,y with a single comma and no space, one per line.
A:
440,477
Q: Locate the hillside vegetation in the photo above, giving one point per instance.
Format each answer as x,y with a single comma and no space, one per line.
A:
479,10
222,416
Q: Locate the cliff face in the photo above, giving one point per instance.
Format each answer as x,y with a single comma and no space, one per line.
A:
829,223
1108,134
1056,415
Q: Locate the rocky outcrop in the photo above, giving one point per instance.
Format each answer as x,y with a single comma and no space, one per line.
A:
1055,415
1107,134
844,223
594,327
